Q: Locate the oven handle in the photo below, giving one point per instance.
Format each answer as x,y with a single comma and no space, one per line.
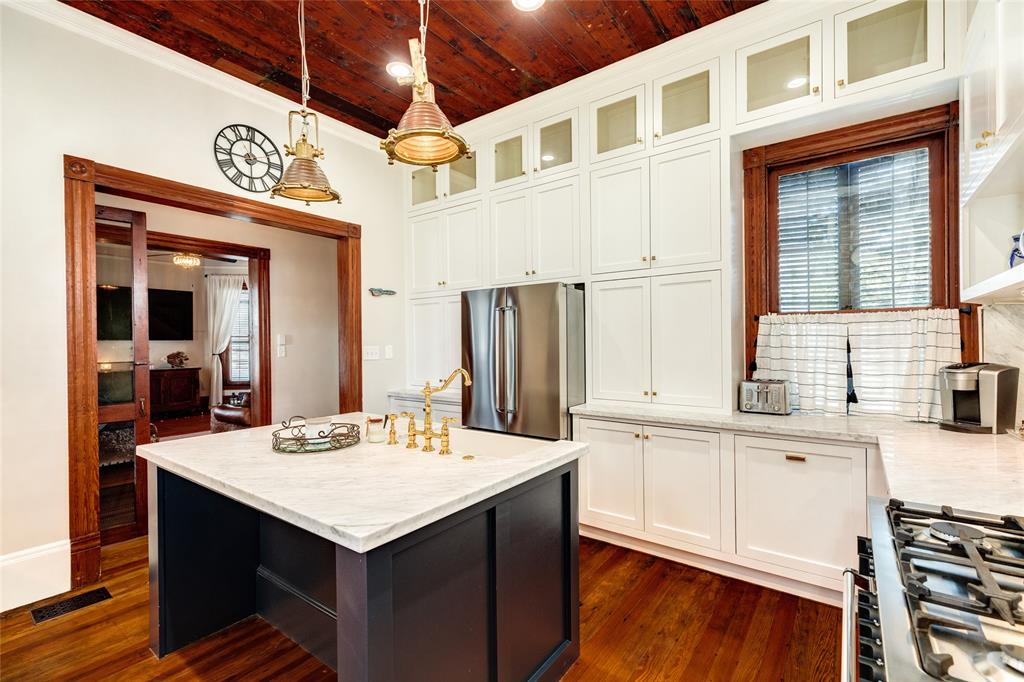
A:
849,668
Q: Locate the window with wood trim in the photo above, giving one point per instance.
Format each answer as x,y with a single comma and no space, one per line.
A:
863,218
235,359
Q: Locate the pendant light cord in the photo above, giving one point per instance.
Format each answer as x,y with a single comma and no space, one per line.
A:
302,48
424,18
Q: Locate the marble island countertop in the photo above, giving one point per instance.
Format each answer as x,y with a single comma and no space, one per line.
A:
923,463
367,495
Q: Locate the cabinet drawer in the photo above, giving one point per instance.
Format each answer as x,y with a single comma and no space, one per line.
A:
800,505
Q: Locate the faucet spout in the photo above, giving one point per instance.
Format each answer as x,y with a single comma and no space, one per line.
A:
467,381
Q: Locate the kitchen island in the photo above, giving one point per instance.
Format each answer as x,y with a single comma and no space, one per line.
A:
386,563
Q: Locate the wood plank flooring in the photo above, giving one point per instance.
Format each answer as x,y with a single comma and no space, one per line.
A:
641,618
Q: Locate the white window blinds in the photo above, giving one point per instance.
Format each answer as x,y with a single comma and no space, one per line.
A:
238,355
856,235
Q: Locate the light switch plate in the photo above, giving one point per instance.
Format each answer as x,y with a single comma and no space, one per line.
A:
371,352
282,351
389,352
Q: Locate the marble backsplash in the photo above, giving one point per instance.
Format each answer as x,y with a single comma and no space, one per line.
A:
1003,341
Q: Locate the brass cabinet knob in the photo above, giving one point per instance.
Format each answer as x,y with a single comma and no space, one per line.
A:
980,145
985,134
438,282
639,140
533,272
524,172
445,194
643,258
527,273
654,393
657,136
647,436
647,392
435,196
841,83
815,90
654,258
536,170
636,435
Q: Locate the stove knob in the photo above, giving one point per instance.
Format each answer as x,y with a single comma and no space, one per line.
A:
746,406
775,408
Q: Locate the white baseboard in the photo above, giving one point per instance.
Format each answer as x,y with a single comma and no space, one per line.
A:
34,573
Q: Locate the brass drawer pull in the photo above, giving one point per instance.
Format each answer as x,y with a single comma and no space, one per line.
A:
636,435
647,436
795,458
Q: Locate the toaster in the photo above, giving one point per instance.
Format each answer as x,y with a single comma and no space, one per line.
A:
765,396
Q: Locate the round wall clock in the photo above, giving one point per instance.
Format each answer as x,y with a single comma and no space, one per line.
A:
247,157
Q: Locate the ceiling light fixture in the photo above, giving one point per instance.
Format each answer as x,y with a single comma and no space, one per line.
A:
399,69
303,180
187,260
797,82
527,5
424,136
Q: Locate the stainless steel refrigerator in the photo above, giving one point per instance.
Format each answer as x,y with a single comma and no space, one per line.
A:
523,346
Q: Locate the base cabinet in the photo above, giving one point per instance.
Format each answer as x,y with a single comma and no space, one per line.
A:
800,505
612,475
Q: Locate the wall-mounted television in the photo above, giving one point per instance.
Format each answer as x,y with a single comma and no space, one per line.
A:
170,314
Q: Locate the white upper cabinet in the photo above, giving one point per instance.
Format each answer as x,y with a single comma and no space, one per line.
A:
686,209
783,485
461,177
620,217
510,154
887,41
621,339
555,237
682,489
617,124
426,251
978,97
445,249
424,188
555,144
779,74
686,340
435,326
612,475
462,241
510,237
686,103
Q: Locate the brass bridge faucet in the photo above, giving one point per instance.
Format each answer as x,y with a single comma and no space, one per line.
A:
428,432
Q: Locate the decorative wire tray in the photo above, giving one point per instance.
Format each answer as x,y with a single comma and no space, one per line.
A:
292,438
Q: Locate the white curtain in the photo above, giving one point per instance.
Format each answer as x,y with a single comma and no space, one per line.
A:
222,294
808,351
896,357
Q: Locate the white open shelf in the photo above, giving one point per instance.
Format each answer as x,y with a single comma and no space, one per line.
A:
1005,287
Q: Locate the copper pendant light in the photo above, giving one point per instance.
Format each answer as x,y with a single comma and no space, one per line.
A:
424,136
303,180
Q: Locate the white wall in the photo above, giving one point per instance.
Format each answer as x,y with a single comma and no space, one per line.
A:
104,97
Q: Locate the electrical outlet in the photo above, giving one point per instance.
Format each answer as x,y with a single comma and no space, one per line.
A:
389,352
282,351
371,352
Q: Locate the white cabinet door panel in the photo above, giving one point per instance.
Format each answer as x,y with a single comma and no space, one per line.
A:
620,217
426,246
800,505
556,228
611,475
779,74
452,357
621,340
463,234
686,207
510,237
686,339
682,491
428,339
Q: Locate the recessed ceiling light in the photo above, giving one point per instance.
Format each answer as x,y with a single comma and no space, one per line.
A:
399,69
797,82
527,5
547,157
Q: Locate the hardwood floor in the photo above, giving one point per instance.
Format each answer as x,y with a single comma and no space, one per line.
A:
641,618
176,427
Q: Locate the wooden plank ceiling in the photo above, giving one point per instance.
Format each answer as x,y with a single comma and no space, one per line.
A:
482,54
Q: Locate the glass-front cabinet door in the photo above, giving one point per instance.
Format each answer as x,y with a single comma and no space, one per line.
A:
510,158
617,124
686,103
554,144
779,74
423,189
886,41
462,180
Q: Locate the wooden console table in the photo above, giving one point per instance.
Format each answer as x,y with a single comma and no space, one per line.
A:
174,389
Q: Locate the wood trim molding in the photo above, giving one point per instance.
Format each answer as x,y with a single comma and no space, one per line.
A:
82,179
260,409
938,127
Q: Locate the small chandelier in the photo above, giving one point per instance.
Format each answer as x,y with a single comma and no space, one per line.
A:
187,260
424,136
303,180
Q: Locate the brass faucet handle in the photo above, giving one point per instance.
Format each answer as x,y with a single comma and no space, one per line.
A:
392,435
446,436
411,444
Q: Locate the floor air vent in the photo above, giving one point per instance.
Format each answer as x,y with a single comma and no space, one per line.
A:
79,601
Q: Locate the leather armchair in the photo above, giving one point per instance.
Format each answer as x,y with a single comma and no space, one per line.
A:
226,417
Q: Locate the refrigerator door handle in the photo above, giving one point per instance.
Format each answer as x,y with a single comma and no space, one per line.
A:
499,358
511,357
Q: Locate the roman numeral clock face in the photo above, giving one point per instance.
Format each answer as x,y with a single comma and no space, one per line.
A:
247,157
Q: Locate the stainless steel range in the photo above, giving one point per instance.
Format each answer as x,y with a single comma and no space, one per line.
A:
937,595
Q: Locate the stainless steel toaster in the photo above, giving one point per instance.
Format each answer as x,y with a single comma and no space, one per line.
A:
765,396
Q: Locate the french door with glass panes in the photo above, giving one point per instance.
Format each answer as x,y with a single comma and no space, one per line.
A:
122,353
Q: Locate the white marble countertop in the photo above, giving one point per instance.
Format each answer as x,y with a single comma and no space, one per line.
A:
450,396
367,495
923,463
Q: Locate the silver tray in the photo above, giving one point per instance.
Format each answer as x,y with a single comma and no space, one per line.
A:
292,439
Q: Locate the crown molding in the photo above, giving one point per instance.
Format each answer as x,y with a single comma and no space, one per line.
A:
93,28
